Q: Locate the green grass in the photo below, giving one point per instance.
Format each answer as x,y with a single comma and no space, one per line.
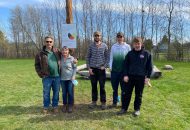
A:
165,106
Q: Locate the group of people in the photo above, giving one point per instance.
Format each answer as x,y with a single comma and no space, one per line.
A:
56,68
129,67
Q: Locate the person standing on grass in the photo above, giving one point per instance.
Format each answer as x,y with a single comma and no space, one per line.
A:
47,66
97,60
117,56
68,71
137,71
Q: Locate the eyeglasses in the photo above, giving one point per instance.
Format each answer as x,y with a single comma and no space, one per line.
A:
97,35
48,41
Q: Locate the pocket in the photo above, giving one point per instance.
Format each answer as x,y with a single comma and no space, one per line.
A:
69,66
46,81
102,72
93,70
44,77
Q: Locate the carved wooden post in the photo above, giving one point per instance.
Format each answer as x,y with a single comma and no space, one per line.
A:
69,14
69,20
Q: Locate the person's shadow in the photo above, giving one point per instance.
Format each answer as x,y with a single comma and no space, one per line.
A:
81,112
19,110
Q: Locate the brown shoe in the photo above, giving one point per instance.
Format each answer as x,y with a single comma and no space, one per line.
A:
64,108
70,109
45,111
55,110
93,105
103,106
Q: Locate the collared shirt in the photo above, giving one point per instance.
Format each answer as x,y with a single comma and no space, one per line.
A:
52,64
97,57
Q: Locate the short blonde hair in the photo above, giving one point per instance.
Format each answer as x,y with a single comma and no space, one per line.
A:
97,33
137,39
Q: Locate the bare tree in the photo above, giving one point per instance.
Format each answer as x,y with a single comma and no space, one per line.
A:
16,28
170,10
3,45
109,24
125,19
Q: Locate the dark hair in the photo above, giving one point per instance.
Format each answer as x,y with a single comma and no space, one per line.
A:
65,47
120,34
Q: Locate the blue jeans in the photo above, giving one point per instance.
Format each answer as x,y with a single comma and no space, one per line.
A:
116,79
67,92
48,83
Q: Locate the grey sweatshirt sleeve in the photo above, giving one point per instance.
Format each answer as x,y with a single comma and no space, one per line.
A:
74,67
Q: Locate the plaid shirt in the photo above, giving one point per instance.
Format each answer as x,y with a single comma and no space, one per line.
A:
97,57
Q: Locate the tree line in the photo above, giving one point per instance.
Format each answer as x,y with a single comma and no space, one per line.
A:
150,19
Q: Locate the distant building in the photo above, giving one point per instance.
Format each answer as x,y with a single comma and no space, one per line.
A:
162,47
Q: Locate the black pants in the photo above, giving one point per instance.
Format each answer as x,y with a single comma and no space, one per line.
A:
138,83
99,75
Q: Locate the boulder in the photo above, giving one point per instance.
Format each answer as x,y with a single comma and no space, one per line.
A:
156,73
82,71
168,67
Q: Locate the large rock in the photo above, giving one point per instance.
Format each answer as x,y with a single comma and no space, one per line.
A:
81,67
168,67
156,73
82,70
85,74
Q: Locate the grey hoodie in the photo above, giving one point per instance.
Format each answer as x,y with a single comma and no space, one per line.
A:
68,68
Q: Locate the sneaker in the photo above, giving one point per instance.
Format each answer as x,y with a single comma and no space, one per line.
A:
64,108
103,106
93,105
114,105
70,109
45,111
121,112
136,113
55,110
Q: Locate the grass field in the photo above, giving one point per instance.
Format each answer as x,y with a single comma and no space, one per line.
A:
165,106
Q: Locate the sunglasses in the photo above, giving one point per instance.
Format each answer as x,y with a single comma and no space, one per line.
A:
48,41
119,36
97,35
